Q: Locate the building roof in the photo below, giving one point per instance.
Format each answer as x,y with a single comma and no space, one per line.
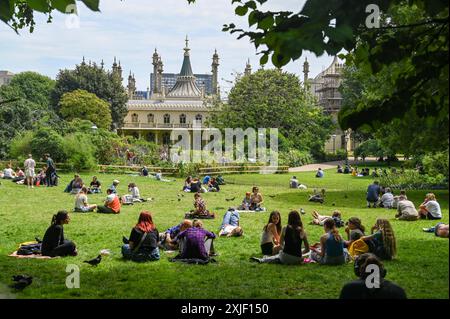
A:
185,86
167,105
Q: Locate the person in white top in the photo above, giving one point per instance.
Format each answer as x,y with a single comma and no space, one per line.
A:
29,166
387,200
8,172
430,208
81,202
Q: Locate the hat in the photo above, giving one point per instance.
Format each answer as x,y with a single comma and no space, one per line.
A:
116,181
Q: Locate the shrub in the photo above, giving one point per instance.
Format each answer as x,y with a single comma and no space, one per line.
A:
46,140
80,152
436,164
294,158
21,146
412,179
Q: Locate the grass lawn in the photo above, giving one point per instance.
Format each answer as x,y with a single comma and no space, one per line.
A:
422,266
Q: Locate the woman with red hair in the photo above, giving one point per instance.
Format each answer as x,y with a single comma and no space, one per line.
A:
143,243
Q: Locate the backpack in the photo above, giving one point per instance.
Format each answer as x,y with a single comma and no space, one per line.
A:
358,247
30,249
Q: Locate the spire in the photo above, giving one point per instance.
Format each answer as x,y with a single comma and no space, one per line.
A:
215,72
102,64
248,68
84,61
185,86
306,70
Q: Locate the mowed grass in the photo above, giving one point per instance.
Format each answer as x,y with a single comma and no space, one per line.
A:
422,266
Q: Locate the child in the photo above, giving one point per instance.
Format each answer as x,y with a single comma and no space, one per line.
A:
331,251
246,202
382,242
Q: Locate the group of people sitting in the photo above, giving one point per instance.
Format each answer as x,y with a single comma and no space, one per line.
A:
294,183
158,175
290,245
253,201
207,184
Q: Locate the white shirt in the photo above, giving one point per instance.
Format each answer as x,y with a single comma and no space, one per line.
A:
80,201
135,192
388,200
8,173
29,164
434,208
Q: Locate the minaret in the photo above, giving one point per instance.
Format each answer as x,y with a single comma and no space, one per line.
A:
119,71
159,75
114,66
155,72
305,71
102,64
131,86
215,73
84,61
248,68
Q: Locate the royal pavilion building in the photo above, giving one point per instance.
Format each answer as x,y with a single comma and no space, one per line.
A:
185,101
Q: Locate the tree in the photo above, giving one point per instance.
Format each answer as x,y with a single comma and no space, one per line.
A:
94,79
34,87
371,148
19,14
86,106
275,99
412,39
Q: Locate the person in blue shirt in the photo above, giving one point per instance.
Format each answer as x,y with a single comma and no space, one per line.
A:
206,179
230,224
320,173
373,194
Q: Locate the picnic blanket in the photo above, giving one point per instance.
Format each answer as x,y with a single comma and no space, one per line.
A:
251,211
34,256
195,261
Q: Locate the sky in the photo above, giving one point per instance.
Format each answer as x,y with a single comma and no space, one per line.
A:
131,30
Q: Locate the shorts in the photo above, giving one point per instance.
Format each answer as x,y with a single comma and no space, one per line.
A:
29,172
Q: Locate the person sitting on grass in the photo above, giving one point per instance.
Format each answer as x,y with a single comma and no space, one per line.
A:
220,180
430,208
200,210
270,239
54,244
382,242
144,171
317,197
256,199
166,238
230,224
187,184
114,186
440,230
330,250
74,185
406,210
206,180
8,172
143,242
195,242
213,186
387,199
135,194
112,204
40,178
293,237
196,186
320,173
81,202
355,230
347,169
95,187
19,175
246,202
397,198
358,289
373,194
339,169
294,183
320,219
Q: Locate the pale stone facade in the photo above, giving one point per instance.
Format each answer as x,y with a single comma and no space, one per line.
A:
5,77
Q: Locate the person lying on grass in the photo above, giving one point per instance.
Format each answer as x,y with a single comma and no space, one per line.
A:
382,242
143,242
81,202
320,219
440,230
293,237
54,244
256,199
406,209
166,238
430,208
111,205
330,250
270,239
230,224
195,242
355,230
364,267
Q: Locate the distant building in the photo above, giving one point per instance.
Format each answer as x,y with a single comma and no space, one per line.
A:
5,77
171,102
325,86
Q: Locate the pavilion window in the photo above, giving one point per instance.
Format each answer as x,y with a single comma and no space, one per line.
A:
166,119
183,119
134,118
150,118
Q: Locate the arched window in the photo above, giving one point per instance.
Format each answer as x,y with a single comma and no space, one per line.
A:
166,119
199,118
134,118
150,118
183,119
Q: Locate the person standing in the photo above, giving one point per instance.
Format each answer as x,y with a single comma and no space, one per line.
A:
29,166
51,170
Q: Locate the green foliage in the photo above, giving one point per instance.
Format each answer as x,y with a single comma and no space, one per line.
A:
371,148
80,152
275,99
21,145
86,106
436,164
294,158
412,179
34,87
93,79
19,14
46,140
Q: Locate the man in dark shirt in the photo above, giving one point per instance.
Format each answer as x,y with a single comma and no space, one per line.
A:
361,288
194,245
373,194
51,170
